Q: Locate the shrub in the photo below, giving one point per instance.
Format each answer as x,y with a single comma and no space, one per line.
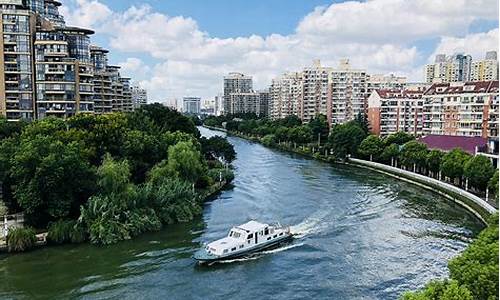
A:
21,239
59,231
66,231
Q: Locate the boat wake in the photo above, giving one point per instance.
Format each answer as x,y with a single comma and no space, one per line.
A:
260,254
313,224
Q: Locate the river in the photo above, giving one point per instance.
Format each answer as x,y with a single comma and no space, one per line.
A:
362,235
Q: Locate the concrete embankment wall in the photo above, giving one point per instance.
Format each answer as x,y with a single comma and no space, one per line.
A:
215,128
471,202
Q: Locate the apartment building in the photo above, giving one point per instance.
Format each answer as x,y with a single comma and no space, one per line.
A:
191,105
395,110
286,95
235,83
103,90
347,93
461,68
486,69
462,109
251,102
49,68
139,96
17,81
315,91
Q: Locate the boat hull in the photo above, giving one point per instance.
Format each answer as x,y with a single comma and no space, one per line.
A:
203,258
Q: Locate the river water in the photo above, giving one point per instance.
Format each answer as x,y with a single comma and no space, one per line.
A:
362,235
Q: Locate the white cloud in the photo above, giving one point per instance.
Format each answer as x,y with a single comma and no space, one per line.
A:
376,34
474,44
86,14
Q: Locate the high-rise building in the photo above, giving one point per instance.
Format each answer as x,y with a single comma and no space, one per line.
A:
103,90
485,70
315,91
17,81
219,105
191,105
461,68
347,93
463,108
235,83
50,69
395,110
139,96
249,103
286,95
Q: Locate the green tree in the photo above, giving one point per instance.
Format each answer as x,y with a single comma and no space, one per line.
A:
3,209
319,128
218,147
300,134
477,266
362,121
52,178
478,170
414,155
371,147
116,213
390,153
433,160
453,162
440,290
345,139
493,186
184,160
10,129
399,138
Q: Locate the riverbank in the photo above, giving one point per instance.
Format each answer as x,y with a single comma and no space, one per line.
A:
206,195
477,206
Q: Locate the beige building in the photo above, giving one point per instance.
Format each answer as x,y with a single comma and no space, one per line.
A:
392,110
347,93
286,95
315,91
463,109
487,69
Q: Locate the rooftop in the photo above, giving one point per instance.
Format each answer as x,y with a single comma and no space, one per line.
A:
465,87
252,226
450,142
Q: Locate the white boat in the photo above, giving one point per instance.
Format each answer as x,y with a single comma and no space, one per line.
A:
242,240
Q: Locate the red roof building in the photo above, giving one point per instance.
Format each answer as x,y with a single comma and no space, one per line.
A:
449,142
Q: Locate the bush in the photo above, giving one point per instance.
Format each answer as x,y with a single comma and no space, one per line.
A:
59,232
66,231
269,140
21,239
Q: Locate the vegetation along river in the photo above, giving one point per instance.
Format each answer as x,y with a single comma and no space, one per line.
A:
362,235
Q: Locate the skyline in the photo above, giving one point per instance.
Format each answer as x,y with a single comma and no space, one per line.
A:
192,53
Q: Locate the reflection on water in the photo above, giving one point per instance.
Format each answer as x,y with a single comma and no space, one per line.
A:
361,235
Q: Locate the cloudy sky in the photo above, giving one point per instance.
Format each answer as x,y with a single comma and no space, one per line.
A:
177,48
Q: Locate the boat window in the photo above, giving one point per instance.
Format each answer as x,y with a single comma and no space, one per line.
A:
266,231
225,250
281,233
235,234
268,238
241,246
249,241
250,236
232,249
275,236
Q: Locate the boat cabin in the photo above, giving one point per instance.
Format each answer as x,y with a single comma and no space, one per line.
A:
243,237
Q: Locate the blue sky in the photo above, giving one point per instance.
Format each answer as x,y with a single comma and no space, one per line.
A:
180,48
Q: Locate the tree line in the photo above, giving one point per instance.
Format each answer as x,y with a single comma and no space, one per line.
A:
352,139
106,178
